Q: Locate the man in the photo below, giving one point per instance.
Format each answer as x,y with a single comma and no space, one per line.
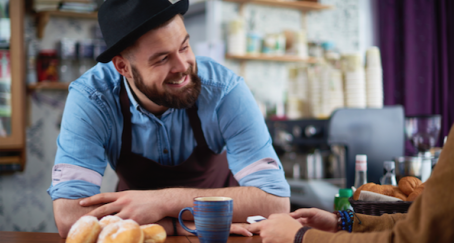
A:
161,118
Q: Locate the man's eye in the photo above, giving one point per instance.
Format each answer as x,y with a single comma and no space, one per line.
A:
163,59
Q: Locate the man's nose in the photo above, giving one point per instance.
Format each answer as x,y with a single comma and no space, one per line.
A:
179,64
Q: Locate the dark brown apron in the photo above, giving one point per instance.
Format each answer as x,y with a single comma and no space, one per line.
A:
203,168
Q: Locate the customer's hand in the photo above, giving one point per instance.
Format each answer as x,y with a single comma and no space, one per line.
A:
240,229
278,228
316,218
144,207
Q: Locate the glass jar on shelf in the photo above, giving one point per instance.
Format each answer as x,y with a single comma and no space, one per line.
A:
47,66
67,68
85,55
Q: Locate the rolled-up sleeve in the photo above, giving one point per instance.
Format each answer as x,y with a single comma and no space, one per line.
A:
81,159
250,153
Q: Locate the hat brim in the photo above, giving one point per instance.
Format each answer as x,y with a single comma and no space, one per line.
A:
180,7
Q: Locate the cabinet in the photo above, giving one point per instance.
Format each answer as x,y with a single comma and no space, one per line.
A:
12,137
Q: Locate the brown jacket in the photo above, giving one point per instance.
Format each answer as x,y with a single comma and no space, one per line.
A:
430,218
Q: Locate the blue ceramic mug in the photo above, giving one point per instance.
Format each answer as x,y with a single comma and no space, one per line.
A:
212,217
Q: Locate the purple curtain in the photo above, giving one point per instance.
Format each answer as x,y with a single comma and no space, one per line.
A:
417,47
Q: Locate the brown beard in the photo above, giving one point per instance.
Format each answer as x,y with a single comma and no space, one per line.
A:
181,100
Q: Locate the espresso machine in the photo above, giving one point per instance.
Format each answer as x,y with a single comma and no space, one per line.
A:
318,155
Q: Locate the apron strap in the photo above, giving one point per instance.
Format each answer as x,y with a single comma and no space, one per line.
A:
196,125
126,137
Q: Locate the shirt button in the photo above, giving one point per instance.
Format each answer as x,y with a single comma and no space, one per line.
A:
165,151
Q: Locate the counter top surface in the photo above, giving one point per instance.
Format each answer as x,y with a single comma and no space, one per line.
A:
33,237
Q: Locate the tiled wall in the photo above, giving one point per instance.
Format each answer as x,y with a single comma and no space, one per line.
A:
24,203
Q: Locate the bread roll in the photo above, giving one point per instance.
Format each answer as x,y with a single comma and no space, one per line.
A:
408,184
110,219
365,187
399,194
415,193
387,190
153,233
125,231
84,230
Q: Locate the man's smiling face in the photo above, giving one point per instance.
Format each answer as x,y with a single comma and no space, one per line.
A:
163,66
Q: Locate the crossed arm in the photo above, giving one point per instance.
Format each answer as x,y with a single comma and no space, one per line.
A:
156,206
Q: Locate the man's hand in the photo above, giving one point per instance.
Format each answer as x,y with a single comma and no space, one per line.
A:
278,228
144,207
316,218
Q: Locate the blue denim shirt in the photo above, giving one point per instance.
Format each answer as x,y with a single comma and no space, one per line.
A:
92,124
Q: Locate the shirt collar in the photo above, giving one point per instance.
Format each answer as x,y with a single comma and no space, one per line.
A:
131,96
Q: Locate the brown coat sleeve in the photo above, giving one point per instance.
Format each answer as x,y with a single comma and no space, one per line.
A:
367,223
429,219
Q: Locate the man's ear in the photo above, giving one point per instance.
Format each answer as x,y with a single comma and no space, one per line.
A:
122,65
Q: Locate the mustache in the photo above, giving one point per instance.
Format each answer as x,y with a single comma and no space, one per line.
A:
178,76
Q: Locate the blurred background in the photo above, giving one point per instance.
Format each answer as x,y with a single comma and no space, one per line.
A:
333,78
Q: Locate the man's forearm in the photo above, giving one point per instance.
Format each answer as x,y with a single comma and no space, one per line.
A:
247,201
67,212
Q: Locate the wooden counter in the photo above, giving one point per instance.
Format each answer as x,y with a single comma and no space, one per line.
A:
29,237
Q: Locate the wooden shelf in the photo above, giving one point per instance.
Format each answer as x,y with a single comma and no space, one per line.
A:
300,5
263,57
70,14
48,86
10,160
44,16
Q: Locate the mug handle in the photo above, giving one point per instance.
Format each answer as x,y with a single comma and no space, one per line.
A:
181,220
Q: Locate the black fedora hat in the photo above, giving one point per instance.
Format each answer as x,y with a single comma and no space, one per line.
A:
122,22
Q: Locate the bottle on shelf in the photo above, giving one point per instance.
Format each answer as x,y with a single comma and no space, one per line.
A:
85,54
360,170
341,200
67,68
32,53
389,173
47,66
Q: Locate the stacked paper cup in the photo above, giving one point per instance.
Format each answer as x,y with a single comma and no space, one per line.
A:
336,91
374,78
325,93
332,92
297,100
315,98
236,43
294,104
355,83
